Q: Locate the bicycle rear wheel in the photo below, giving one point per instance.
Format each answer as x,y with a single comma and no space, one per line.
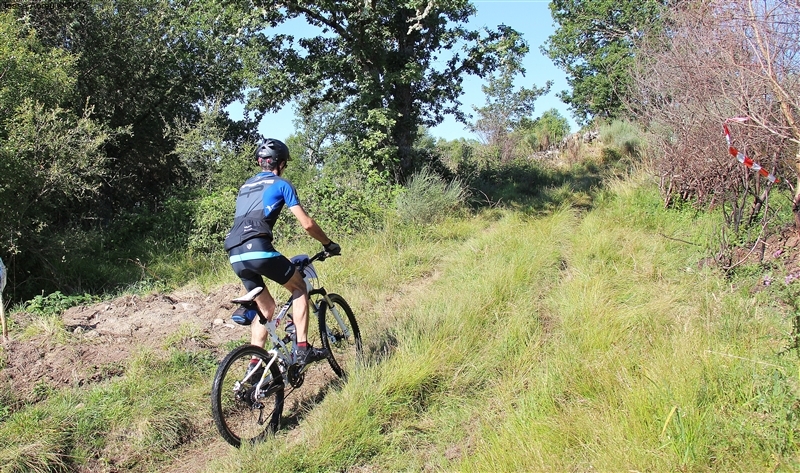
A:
240,413
340,334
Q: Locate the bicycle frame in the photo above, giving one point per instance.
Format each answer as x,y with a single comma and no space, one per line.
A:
281,352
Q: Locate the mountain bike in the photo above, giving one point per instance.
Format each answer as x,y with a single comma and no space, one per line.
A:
247,401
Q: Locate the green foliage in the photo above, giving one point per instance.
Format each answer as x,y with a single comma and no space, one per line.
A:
342,202
389,85
52,164
213,158
56,303
428,198
347,205
506,108
31,69
212,221
546,131
163,230
624,137
457,154
594,43
318,132
146,66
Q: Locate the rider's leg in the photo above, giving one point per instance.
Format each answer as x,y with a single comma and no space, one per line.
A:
297,286
305,352
266,304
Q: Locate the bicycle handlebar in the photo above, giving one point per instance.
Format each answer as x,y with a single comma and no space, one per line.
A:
321,256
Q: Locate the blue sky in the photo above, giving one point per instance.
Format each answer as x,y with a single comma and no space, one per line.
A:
529,17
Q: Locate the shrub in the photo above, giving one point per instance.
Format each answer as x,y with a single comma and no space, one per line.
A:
623,137
546,131
56,303
429,198
346,204
455,154
212,220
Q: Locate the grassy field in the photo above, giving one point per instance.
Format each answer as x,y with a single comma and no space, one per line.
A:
577,339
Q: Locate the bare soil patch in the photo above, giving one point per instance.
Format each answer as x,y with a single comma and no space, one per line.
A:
103,336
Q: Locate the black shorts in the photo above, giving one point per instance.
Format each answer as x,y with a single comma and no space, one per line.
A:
256,258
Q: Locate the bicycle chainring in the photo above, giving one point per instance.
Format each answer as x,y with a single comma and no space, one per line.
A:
296,377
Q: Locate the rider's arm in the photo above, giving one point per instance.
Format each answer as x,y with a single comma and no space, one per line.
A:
309,225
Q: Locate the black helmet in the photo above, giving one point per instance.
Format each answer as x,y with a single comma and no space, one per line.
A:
272,151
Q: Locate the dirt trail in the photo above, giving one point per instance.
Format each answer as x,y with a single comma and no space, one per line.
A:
104,335
101,337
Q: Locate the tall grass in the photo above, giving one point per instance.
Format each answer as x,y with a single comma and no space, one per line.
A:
429,198
623,138
136,420
575,341
583,338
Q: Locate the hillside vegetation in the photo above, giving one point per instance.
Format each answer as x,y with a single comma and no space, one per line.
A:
567,342
533,301
583,337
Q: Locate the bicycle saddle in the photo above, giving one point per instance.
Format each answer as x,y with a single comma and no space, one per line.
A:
249,297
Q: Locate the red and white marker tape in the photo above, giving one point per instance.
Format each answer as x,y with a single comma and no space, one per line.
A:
741,157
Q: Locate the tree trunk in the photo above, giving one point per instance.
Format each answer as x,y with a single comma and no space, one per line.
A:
405,130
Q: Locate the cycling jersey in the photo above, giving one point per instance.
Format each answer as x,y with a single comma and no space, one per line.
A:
258,205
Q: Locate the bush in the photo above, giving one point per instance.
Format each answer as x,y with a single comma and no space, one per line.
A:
56,303
457,153
212,221
347,204
623,137
429,198
546,131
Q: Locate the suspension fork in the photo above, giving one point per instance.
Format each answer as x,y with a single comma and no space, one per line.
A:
325,304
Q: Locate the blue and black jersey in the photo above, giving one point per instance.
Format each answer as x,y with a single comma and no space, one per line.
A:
258,205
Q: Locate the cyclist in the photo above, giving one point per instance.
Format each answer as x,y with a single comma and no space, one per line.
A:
249,244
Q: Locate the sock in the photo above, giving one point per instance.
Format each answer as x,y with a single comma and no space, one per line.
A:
303,345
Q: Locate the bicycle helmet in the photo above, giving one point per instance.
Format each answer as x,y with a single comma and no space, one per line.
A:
272,151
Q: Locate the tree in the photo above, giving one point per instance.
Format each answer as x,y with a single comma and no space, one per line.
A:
145,66
722,60
506,108
547,130
393,65
319,131
51,160
594,43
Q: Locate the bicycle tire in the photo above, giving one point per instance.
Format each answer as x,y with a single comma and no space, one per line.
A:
240,416
345,351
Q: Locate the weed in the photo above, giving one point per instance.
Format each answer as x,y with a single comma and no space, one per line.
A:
50,328
56,303
187,332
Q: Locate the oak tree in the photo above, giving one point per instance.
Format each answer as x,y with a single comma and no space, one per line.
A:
393,65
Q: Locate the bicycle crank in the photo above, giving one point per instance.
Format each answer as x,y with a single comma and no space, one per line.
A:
296,376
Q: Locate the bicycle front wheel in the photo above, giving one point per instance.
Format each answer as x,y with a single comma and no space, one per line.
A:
340,335
241,413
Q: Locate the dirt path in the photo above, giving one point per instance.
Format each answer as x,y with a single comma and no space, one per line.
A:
378,318
101,337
